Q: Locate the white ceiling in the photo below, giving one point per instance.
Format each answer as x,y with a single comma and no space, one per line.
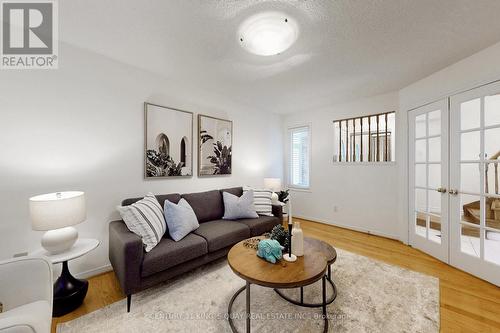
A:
347,49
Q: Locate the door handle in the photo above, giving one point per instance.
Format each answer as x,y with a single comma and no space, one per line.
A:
453,191
441,190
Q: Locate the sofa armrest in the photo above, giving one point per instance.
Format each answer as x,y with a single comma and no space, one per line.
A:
126,254
277,211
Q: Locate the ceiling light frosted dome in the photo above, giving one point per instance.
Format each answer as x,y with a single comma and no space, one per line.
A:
268,33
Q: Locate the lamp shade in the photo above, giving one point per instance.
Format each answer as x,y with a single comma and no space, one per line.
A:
273,184
57,210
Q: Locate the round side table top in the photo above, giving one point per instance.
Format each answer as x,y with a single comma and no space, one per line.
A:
80,248
306,270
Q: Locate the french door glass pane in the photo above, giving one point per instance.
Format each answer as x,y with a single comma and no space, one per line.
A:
470,241
470,146
435,150
492,110
492,247
470,208
470,114
469,177
421,126
493,213
420,200
434,176
421,175
492,178
492,143
435,228
421,224
434,121
434,202
421,150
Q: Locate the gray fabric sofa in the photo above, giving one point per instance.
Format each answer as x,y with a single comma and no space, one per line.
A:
137,270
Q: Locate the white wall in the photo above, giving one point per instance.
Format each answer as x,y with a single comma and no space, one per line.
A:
365,195
81,127
478,69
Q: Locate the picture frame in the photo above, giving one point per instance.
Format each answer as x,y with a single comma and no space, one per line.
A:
215,145
168,142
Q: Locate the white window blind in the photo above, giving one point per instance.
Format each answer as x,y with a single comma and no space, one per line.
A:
299,156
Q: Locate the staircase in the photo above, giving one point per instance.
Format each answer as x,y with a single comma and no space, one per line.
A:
472,210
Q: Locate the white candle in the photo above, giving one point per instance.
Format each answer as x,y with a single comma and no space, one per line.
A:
289,211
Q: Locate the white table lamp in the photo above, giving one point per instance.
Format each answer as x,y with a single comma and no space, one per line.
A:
56,213
273,184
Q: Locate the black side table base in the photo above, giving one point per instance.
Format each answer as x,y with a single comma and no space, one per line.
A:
69,292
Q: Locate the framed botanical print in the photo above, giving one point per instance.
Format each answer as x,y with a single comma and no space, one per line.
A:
215,142
168,142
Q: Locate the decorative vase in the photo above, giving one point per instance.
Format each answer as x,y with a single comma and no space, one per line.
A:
298,240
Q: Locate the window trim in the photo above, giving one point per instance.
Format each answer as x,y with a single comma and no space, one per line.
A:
289,162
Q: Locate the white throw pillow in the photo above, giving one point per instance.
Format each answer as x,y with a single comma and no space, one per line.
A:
145,219
181,219
261,200
239,207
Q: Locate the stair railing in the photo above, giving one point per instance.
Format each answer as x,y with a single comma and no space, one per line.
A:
492,158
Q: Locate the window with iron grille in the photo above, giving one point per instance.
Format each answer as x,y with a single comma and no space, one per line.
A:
365,139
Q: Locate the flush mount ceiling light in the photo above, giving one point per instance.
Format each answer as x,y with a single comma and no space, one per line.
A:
268,33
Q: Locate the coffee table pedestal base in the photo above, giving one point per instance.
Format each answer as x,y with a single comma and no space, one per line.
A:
248,313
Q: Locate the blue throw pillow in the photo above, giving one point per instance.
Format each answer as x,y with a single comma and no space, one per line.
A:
239,208
180,218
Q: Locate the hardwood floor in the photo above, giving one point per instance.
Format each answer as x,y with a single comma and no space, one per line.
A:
467,304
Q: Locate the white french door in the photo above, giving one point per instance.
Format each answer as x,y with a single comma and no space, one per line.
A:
474,182
454,185
428,170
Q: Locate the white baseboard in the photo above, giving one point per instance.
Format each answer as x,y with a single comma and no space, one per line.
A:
350,227
94,272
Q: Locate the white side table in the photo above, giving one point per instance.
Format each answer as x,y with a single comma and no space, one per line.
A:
69,292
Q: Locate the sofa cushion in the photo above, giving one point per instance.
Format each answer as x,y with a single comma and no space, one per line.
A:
261,225
174,197
239,207
262,200
237,191
145,218
180,219
207,206
169,253
221,233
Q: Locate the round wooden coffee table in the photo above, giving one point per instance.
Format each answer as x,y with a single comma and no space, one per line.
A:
306,270
313,244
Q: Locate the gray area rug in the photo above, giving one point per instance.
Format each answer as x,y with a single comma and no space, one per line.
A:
372,297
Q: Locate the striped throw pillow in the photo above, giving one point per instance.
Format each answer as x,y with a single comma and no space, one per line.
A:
145,218
261,201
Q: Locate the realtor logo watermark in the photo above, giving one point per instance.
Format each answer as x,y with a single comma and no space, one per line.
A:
29,34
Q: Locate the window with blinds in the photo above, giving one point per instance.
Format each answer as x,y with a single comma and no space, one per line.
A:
365,139
299,156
